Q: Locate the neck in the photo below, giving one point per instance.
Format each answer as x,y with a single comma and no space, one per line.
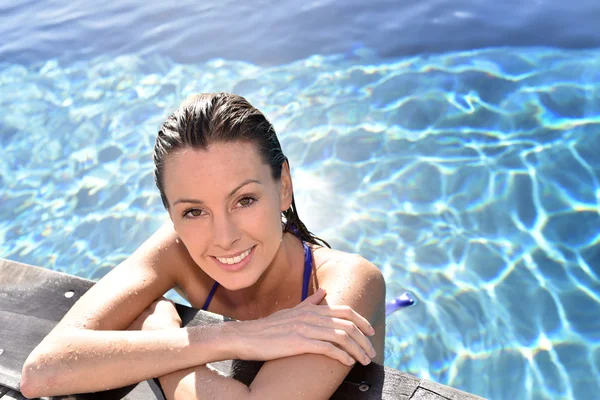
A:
276,286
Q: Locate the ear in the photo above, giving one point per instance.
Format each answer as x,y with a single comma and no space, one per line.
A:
286,188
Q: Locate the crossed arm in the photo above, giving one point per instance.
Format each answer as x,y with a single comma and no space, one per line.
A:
314,376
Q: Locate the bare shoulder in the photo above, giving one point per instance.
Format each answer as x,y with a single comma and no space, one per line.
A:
334,264
351,279
158,265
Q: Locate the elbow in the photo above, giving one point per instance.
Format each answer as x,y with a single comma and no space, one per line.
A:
30,378
37,379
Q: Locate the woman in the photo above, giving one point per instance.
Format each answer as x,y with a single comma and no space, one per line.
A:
235,247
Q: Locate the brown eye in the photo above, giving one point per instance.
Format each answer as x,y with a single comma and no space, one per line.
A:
246,201
194,212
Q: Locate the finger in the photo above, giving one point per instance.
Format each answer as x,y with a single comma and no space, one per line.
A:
316,297
340,338
347,313
349,327
331,351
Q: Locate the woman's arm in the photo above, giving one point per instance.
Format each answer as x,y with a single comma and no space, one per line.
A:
353,282
85,351
101,360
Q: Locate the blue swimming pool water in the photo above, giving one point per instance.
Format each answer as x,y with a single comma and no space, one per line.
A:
469,177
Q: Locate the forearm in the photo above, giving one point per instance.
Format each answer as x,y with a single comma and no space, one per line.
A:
202,383
81,361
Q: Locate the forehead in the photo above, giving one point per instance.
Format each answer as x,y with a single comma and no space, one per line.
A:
219,168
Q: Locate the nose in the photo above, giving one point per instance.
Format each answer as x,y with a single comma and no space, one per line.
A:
225,232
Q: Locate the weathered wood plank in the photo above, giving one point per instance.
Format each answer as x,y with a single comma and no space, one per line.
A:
424,394
447,392
3,390
9,394
32,301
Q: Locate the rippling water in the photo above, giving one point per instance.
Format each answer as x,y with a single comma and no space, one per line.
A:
271,32
469,178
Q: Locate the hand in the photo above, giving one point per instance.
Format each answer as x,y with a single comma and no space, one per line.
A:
335,331
159,315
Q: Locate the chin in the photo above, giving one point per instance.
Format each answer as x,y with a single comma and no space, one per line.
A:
238,283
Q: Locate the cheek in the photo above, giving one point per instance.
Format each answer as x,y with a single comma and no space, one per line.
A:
194,235
189,244
264,220
273,215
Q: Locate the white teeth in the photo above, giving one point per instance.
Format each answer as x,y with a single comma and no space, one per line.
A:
234,260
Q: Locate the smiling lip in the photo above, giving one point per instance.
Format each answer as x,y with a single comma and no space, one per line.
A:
238,265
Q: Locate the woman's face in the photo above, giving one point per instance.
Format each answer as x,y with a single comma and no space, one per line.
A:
226,208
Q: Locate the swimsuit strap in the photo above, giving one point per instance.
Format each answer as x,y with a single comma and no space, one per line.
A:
210,296
308,264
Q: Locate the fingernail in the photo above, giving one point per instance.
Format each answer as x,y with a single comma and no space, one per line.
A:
372,331
373,353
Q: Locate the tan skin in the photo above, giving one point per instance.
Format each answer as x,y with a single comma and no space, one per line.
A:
309,348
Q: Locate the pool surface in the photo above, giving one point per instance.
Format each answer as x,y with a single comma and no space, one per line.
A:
470,177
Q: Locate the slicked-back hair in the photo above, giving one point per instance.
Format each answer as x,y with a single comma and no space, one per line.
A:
209,118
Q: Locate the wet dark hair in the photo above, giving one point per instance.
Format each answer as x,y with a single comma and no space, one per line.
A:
224,118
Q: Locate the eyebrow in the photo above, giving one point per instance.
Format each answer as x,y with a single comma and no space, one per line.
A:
238,187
